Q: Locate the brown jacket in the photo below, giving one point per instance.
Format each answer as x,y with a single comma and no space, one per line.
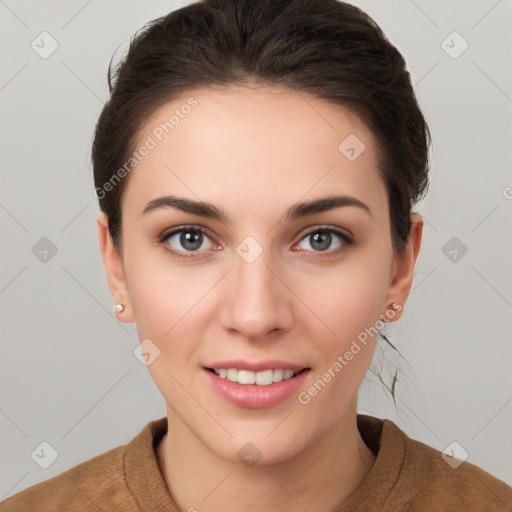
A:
407,476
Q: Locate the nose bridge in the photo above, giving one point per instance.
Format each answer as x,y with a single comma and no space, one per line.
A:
257,303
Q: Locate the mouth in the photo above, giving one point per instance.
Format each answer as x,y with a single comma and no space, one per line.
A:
261,378
252,384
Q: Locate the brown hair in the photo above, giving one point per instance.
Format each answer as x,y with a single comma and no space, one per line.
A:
326,48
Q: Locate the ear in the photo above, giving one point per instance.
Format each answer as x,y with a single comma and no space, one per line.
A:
403,273
114,269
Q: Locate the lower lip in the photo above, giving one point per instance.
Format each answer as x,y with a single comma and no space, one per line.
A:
252,396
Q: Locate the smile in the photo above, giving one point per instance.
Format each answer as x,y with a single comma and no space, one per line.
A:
260,387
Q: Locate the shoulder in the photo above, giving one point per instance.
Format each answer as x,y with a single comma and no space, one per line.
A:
410,476
430,478
83,487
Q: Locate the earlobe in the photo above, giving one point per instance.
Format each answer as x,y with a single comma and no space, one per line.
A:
114,270
405,260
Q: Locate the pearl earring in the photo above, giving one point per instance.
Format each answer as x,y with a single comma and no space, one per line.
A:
118,308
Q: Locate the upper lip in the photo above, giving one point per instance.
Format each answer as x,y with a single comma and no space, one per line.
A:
256,366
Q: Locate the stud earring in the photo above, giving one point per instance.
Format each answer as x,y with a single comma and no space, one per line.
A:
396,306
118,308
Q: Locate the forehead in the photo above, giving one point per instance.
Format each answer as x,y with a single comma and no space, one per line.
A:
250,144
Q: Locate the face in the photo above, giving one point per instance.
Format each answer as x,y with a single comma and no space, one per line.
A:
269,255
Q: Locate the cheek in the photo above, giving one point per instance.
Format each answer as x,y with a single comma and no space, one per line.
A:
347,299
164,296
347,345
167,306
349,306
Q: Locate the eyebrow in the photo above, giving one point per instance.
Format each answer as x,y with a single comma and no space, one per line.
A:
296,211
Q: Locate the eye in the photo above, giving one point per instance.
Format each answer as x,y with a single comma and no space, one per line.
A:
186,240
324,240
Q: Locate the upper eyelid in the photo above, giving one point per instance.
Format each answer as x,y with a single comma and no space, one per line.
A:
327,227
178,229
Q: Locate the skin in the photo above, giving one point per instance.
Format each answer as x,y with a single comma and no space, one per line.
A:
253,152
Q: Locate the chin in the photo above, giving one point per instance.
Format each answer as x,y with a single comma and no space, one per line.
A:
264,445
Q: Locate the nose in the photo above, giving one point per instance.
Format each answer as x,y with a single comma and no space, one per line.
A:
257,303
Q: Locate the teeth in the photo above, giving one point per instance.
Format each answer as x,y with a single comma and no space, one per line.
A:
278,375
264,378
246,377
288,373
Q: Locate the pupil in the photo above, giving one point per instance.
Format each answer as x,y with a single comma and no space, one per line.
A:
191,240
321,240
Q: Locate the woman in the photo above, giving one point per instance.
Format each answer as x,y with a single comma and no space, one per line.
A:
256,168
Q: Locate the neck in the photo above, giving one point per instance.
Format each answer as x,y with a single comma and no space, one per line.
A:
319,478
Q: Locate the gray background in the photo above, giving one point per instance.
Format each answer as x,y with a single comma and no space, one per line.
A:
68,373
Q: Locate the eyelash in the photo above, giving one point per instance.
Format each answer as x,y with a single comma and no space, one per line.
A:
347,241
